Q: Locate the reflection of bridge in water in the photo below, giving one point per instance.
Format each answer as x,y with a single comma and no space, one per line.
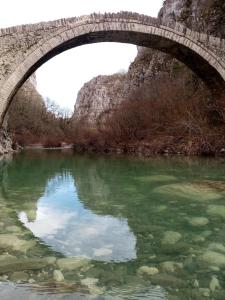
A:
25,48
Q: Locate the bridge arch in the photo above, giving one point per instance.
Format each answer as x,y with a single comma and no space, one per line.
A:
123,28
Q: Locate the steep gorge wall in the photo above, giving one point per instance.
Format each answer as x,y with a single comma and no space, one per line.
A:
27,99
97,98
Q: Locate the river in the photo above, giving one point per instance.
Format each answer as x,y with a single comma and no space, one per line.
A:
101,227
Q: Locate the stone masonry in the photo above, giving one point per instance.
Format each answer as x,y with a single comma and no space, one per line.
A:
24,48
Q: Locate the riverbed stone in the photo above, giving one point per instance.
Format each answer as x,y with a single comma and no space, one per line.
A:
72,263
50,260
196,284
92,287
213,258
157,178
171,237
164,279
89,281
10,241
217,247
22,265
58,276
170,266
7,258
13,229
198,221
214,284
96,290
147,271
205,292
216,211
19,276
193,191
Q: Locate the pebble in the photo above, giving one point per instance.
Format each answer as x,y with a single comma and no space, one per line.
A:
145,270
58,276
216,211
72,263
171,237
19,276
196,283
198,221
214,284
171,266
213,258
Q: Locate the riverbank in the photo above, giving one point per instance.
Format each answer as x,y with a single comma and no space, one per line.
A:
167,146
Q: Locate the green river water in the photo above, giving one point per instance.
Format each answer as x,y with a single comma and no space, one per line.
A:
113,228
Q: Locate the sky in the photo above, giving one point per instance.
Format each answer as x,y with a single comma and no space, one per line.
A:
61,78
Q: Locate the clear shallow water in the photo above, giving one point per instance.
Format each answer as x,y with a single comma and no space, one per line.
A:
114,228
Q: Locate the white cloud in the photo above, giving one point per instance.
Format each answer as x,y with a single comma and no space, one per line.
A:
62,77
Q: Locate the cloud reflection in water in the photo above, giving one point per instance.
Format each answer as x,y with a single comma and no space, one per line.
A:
63,223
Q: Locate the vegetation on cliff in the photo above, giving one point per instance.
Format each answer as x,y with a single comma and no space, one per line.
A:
32,121
165,117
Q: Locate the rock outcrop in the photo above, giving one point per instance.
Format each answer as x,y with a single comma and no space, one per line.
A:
5,142
96,98
99,97
26,96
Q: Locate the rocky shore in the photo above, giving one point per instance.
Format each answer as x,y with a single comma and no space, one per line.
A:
6,144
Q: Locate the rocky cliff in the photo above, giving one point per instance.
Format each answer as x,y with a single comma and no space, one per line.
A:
24,107
26,98
5,142
97,98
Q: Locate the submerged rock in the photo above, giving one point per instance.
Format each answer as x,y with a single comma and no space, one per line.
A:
214,284
10,241
22,265
168,280
19,276
58,276
92,287
7,258
149,271
171,266
157,178
216,211
205,292
89,281
196,284
217,247
171,237
198,221
14,229
161,208
213,258
72,263
188,191
50,260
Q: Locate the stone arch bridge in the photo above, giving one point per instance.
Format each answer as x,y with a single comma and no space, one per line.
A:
25,48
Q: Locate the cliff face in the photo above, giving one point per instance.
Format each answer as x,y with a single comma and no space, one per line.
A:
26,98
200,15
24,105
97,98
5,142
